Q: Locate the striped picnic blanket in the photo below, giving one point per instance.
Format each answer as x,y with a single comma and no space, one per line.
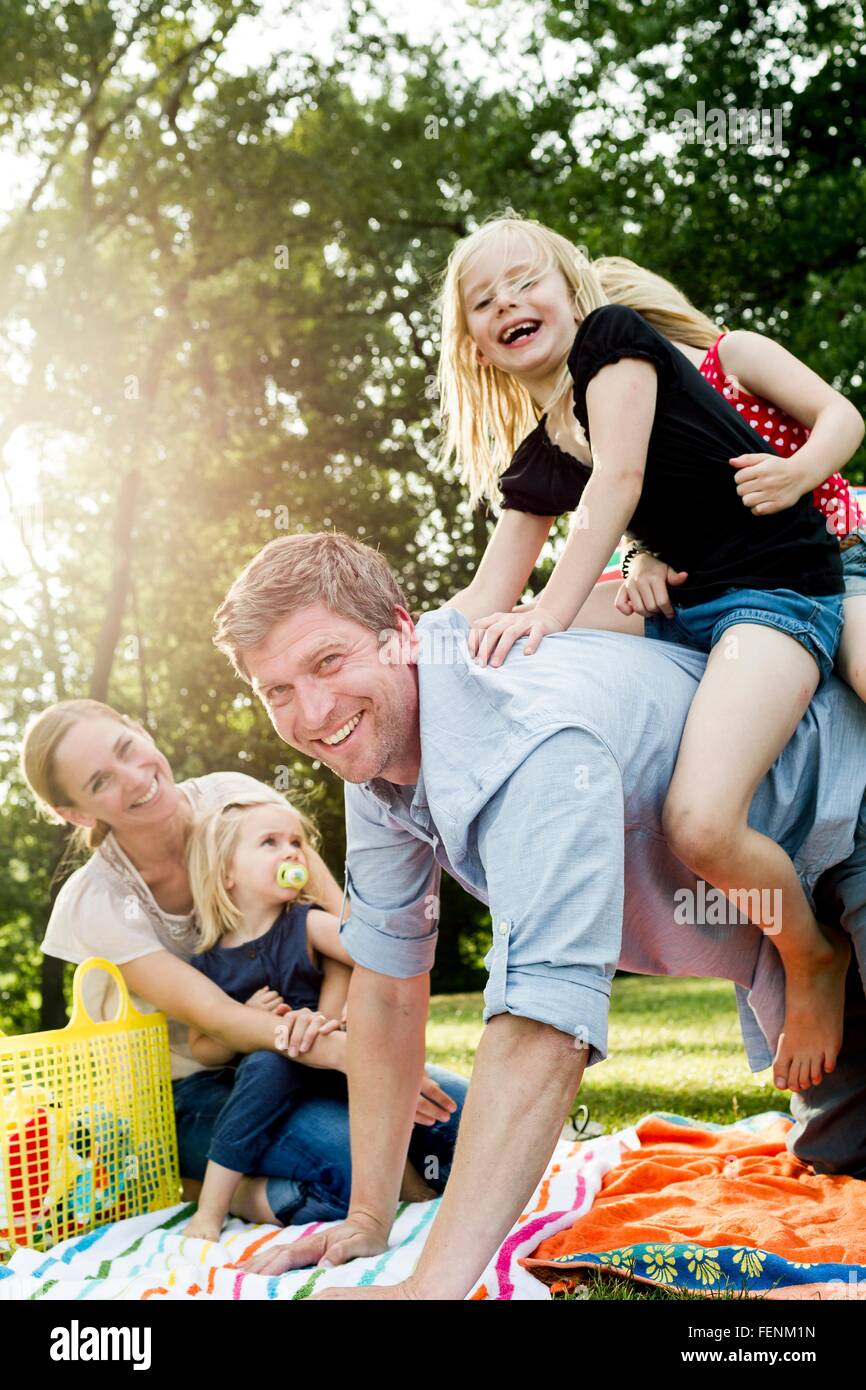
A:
640,1185
148,1257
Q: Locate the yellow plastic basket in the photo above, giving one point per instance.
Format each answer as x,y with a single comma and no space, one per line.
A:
87,1131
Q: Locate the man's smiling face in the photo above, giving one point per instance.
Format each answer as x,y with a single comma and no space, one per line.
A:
334,693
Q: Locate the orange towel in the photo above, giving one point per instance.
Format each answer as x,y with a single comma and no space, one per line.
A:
720,1188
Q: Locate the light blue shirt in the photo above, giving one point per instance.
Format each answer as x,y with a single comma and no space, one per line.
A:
541,788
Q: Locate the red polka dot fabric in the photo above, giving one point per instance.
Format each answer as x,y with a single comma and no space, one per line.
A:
786,435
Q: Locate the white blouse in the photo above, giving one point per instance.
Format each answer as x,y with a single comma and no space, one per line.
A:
105,908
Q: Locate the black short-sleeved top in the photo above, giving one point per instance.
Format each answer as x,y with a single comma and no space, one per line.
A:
279,960
689,511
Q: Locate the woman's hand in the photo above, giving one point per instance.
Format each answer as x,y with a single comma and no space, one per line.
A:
356,1237
645,591
767,483
526,605
265,998
298,1029
491,639
433,1104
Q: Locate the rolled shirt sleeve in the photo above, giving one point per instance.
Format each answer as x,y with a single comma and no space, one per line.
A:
392,880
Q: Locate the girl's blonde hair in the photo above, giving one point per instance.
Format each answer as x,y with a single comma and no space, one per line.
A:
212,843
42,738
657,300
486,412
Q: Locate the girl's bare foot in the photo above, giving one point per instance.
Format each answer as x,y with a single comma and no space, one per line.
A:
814,1009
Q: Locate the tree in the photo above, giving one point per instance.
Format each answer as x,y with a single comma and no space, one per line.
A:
216,323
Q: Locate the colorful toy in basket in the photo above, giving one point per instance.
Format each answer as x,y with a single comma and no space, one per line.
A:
36,1163
87,1131
97,1130
103,1141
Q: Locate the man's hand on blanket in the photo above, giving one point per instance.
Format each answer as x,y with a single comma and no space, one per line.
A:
357,1237
298,1029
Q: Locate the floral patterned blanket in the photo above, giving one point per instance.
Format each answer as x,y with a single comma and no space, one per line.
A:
719,1210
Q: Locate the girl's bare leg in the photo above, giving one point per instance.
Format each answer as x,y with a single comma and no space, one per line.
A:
214,1201
851,660
250,1202
598,611
756,688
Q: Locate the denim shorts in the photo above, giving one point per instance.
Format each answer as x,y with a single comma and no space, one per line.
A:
814,622
854,565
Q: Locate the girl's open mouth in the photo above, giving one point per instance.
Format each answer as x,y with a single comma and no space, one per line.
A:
520,333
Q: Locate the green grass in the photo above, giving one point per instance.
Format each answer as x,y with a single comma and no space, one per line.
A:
673,1045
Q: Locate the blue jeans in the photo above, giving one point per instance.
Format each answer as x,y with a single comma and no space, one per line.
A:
307,1161
814,622
267,1087
829,1131
854,565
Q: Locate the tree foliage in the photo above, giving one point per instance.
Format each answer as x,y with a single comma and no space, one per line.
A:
216,323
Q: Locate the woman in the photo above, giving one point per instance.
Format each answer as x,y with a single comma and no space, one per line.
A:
100,771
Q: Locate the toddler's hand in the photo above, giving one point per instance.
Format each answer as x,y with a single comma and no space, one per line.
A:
767,483
266,998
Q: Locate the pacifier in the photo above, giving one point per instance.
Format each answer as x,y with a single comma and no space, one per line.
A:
292,875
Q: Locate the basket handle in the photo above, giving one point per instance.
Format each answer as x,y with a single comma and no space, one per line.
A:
80,1016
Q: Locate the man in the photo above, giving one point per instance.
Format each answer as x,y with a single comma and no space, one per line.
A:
538,786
